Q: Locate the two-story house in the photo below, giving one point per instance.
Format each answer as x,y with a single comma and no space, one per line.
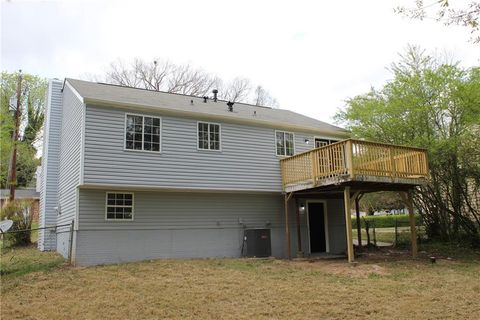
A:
132,174
147,174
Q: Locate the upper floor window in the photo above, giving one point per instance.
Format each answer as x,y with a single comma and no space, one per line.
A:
208,136
284,143
319,142
142,133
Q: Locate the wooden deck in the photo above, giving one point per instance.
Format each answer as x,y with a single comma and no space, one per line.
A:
354,160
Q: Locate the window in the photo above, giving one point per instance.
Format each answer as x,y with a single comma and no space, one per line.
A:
208,136
142,133
119,206
284,142
323,142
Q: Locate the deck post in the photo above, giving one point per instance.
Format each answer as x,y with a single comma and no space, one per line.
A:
299,231
413,229
359,225
348,223
349,157
287,226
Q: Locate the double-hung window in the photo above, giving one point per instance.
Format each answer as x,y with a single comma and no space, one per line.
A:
119,206
208,136
284,143
142,133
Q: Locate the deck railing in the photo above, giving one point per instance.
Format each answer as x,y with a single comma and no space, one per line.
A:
350,159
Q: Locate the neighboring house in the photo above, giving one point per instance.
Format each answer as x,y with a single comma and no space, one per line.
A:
143,174
30,194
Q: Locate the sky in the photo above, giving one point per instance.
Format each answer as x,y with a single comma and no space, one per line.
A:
310,55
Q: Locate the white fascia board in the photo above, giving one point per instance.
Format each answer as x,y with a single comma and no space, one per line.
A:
75,92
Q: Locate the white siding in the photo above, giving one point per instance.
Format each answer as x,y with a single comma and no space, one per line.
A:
168,225
247,161
50,165
69,170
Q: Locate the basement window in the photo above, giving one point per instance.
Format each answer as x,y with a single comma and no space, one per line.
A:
208,136
119,206
284,143
142,133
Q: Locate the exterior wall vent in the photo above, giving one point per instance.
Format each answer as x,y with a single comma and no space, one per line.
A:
230,106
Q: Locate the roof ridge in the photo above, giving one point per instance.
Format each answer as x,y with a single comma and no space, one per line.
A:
166,92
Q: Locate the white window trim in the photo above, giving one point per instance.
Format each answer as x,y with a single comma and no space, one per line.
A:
326,138
133,206
125,133
219,137
284,155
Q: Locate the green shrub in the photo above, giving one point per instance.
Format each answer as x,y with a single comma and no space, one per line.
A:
19,211
386,221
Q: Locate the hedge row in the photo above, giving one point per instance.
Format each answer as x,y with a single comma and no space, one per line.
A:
386,221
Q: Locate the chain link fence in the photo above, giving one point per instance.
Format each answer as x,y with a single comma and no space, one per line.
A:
48,241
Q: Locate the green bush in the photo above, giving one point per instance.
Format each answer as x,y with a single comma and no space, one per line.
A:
386,221
19,211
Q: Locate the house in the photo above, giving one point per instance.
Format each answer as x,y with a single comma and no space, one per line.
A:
139,174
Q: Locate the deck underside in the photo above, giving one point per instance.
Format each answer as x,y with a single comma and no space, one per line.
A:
365,183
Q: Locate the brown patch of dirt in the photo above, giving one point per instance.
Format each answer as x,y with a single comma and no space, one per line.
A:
340,268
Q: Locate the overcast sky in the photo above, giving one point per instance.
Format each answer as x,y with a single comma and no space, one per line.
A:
310,56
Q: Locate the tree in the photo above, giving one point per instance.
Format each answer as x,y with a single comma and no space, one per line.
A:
435,105
263,98
468,16
372,202
161,75
32,106
237,91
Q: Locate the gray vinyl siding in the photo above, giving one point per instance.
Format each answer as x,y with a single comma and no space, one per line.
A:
247,160
176,225
69,169
50,166
335,224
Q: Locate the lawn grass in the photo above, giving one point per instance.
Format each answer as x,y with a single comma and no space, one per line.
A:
16,262
388,235
383,285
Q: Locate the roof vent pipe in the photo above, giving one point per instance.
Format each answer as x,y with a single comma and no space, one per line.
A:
215,91
230,106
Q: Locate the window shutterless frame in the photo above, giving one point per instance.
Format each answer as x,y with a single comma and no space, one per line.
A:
143,133
107,206
284,144
328,140
219,136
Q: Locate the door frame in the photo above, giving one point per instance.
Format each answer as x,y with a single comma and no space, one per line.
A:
325,219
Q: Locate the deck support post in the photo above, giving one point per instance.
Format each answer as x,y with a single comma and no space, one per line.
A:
359,225
299,231
287,225
407,198
348,223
